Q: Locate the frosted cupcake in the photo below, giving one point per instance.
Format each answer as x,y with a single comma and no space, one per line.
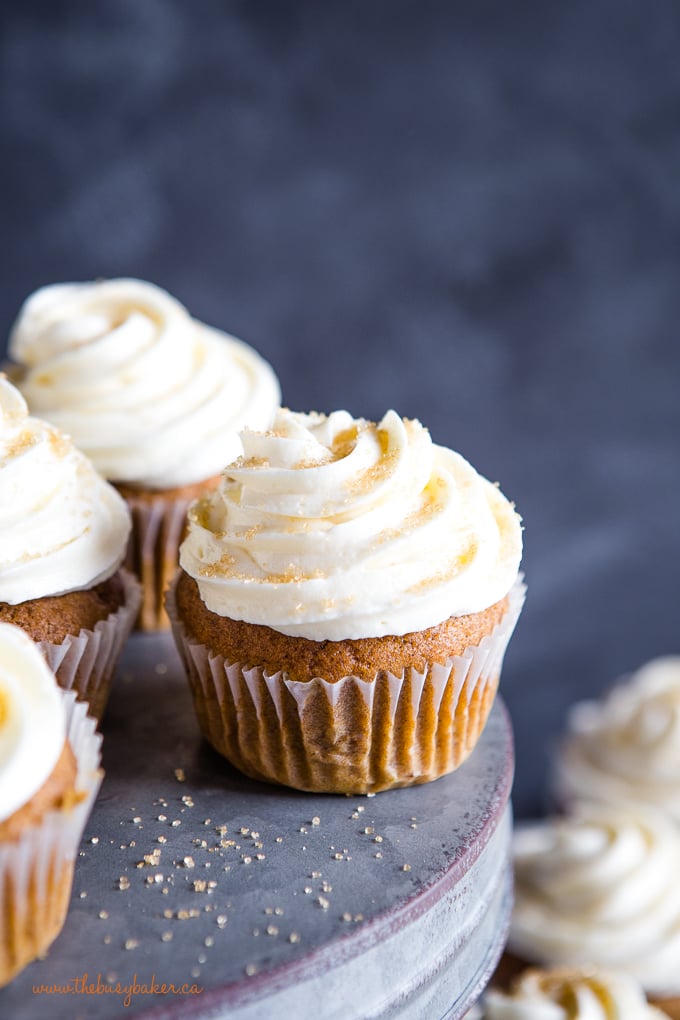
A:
153,397
600,888
625,748
345,600
564,993
49,777
63,536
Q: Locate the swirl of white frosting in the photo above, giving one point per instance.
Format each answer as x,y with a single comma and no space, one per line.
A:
62,527
32,720
626,748
331,527
571,994
600,887
153,397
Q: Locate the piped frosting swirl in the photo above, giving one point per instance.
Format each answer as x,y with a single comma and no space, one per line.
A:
331,527
570,994
62,527
600,887
626,748
153,397
32,720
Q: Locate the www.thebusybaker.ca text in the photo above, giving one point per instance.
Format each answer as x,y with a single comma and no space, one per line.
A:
84,986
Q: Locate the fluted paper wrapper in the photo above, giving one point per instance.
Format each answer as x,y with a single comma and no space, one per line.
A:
86,662
153,552
352,735
36,871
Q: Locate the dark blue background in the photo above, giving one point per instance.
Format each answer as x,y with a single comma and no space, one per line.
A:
469,212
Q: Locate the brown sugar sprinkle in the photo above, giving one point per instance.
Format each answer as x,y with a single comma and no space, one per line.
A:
187,862
293,937
123,882
131,943
179,773
166,936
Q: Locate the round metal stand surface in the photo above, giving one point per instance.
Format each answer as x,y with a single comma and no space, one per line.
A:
251,901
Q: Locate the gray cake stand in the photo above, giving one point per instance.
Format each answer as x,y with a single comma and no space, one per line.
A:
251,901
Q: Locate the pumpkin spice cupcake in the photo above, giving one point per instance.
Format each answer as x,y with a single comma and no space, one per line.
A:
345,600
598,887
568,993
154,398
63,535
49,777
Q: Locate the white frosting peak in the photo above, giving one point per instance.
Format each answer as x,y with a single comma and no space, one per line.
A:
32,720
626,748
571,994
62,527
331,527
600,888
153,397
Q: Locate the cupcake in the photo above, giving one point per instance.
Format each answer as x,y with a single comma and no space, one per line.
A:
344,604
625,748
565,993
154,398
63,536
49,777
599,888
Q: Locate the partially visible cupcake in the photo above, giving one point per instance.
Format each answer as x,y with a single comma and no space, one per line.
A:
599,888
345,600
153,397
63,536
625,748
49,777
568,993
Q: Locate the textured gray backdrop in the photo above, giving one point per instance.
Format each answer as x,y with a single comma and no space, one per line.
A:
469,212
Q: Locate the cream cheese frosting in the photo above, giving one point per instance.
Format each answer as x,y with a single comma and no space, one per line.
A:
626,747
153,397
570,994
32,720
600,887
62,527
334,527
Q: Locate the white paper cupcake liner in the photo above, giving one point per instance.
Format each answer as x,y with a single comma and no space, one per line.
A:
153,552
351,735
86,662
36,871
